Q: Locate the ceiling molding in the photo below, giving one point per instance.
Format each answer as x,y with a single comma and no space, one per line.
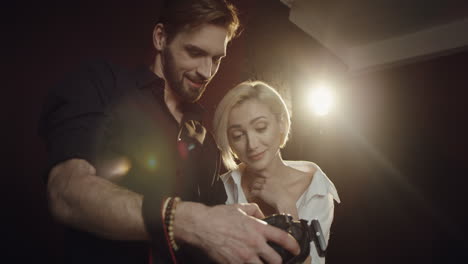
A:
289,3
402,37
416,45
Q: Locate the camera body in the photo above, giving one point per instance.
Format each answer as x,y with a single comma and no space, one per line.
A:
302,232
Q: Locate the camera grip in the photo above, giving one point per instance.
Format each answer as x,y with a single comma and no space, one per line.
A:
298,229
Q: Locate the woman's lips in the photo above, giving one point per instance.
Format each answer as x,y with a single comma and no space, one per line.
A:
257,156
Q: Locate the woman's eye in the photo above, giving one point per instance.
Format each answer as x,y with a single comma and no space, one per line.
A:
261,128
236,136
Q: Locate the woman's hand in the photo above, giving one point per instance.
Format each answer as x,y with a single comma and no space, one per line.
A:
274,193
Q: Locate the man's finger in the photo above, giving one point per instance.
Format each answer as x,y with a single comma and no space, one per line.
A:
255,261
269,255
252,209
260,179
257,186
255,192
282,238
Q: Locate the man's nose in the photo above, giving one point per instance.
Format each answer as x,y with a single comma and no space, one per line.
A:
205,69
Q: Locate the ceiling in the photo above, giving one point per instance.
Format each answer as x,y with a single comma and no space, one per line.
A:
371,33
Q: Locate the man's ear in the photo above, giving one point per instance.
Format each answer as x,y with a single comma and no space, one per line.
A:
159,37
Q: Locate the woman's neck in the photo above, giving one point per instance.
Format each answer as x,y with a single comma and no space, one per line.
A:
276,168
291,183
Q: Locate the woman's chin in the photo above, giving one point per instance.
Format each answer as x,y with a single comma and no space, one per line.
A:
259,165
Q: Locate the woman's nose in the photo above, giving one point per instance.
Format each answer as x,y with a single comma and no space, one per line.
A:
252,142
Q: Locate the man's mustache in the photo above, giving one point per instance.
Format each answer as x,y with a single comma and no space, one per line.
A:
198,79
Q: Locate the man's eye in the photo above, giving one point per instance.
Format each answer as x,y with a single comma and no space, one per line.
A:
194,54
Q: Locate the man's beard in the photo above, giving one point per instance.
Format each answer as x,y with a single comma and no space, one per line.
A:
176,84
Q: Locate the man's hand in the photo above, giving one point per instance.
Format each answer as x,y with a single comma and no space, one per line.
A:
231,233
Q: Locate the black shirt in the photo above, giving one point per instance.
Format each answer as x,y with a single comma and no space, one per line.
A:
104,113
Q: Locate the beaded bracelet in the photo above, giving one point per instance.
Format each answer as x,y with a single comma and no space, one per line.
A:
169,215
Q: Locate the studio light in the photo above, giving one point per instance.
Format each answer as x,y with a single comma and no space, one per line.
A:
321,100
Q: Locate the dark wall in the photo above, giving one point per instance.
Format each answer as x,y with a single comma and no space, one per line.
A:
400,145
45,40
394,147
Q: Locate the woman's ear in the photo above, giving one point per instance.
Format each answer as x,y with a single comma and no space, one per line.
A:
281,124
159,37
282,127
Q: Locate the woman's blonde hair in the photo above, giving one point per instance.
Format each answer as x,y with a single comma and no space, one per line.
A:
247,91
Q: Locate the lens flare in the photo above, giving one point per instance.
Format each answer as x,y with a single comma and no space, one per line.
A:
151,163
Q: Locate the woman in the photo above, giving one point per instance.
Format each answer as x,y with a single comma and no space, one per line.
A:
251,125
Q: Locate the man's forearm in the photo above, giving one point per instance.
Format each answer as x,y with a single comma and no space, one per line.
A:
85,201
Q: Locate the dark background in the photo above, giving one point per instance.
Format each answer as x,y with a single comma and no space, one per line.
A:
395,146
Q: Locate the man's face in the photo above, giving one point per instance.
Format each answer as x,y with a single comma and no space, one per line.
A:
192,58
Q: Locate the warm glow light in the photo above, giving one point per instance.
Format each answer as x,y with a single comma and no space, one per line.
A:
114,169
121,167
321,100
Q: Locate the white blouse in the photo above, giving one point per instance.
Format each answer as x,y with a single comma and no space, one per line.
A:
315,202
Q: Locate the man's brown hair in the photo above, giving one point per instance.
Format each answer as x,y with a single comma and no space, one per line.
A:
180,15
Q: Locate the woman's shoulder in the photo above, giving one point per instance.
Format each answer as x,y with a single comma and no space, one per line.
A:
320,183
303,166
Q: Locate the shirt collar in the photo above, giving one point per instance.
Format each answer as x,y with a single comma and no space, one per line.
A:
320,184
146,78
234,175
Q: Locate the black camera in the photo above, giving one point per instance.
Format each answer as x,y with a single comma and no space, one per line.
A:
302,232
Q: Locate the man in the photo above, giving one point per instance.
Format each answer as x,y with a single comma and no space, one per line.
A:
120,142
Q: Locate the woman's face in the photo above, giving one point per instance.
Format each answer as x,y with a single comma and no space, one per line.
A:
254,134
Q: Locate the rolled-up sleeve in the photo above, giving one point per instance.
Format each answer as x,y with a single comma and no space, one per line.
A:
73,112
